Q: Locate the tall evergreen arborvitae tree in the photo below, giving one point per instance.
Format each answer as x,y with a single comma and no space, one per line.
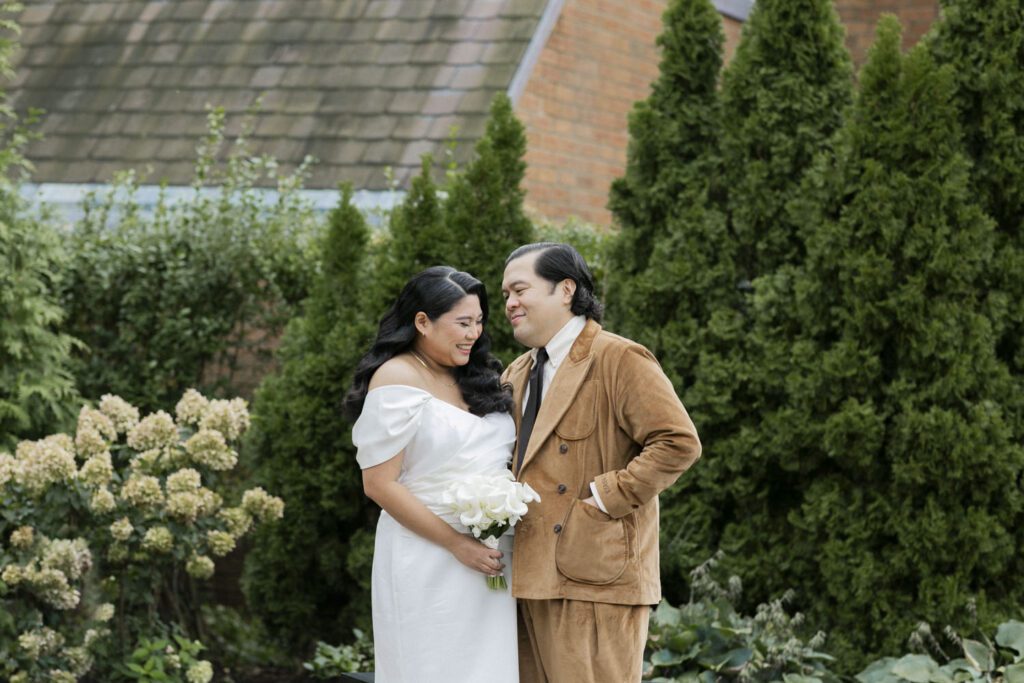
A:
983,40
670,272
783,97
672,163
300,447
782,100
484,215
894,438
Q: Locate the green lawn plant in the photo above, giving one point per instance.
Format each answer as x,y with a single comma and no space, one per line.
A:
955,659
105,533
330,661
167,660
707,640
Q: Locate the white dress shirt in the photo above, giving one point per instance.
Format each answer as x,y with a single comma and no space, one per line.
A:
558,348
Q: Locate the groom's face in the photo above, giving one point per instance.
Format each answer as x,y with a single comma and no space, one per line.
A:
535,307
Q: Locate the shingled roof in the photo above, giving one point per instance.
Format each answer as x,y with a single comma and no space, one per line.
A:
359,84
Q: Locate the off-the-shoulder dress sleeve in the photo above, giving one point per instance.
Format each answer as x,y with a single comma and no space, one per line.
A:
391,415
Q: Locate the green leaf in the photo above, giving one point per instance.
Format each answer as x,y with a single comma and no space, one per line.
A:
1011,636
665,657
979,655
797,678
732,660
666,614
915,668
1014,673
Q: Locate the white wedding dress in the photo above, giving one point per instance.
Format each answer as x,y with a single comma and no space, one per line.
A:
434,619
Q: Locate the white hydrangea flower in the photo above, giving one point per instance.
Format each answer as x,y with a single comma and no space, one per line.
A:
93,635
155,431
102,502
142,490
44,463
183,481
79,660
97,470
208,447
71,557
230,418
94,433
191,408
12,574
52,587
61,676
122,529
158,539
261,505
40,642
199,672
23,537
200,567
104,612
184,506
237,520
123,414
221,542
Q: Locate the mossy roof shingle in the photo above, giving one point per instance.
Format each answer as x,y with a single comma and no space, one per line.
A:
359,84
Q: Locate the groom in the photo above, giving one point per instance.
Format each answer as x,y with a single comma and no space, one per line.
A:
601,434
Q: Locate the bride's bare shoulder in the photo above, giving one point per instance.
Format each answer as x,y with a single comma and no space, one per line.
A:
400,370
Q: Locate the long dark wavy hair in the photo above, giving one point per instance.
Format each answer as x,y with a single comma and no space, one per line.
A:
435,291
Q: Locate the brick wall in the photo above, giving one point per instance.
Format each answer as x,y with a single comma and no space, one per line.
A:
600,58
860,17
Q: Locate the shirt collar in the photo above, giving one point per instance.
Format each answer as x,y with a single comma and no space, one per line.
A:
559,346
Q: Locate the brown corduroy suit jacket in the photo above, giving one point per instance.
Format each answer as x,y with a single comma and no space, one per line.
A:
610,416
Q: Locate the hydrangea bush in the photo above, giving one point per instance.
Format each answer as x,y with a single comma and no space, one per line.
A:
105,531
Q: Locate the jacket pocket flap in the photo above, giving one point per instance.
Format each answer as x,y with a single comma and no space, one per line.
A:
592,547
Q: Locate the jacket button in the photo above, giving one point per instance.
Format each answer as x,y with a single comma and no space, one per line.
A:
558,528
563,448
561,488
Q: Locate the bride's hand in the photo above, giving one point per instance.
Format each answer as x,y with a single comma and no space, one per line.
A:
477,556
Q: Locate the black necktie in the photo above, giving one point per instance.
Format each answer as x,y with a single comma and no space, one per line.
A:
532,404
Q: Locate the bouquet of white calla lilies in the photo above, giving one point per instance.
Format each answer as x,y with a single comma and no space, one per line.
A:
489,505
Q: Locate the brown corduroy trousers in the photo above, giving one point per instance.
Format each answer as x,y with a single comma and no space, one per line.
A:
574,641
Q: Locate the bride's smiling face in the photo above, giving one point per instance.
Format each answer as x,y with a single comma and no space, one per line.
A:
449,340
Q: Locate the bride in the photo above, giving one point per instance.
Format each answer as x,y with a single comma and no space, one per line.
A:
431,410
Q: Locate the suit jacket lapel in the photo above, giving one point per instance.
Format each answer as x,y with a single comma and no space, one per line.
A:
564,386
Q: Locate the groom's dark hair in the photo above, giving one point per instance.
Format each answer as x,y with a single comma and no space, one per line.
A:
558,262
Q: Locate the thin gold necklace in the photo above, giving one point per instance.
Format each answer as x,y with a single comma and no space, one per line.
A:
431,371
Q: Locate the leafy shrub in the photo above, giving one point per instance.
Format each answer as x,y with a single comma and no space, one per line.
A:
190,293
706,640
330,661
157,660
111,525
37,388
238,641
973,661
